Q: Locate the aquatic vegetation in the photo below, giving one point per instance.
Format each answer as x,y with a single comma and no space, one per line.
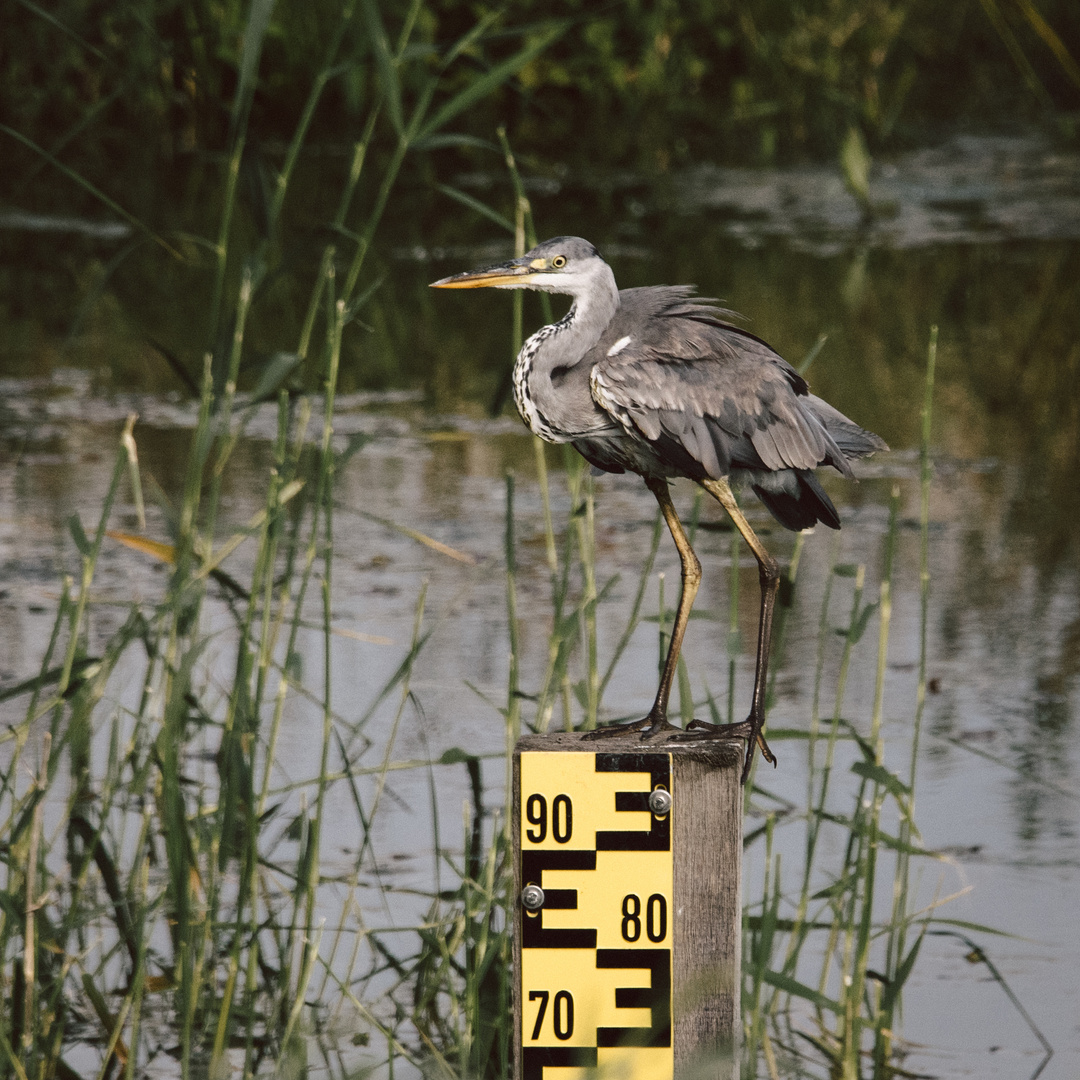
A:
172,895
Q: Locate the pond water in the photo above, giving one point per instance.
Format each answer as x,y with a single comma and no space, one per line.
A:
982,240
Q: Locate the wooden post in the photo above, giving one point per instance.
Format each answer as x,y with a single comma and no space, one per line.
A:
628,917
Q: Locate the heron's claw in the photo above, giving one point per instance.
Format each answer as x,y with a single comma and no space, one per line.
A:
746,730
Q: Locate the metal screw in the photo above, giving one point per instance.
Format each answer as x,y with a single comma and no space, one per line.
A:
660,802
532,898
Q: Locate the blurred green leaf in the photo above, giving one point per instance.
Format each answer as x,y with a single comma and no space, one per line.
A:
858,627
81,670
258,21
386,63
475,204
797,989
855,164
276,370
455,756
878,774
82,541
452,140
479,89
893,989
804,364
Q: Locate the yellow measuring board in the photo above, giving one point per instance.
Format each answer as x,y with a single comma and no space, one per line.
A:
596,960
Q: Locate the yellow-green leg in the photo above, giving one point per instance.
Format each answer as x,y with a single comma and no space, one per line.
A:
657,720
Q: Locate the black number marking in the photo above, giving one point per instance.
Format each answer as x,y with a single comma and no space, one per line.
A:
656,917
536,812
631,922
543,996
656,997
658,836
562,836
562,1018
562,1013
535,863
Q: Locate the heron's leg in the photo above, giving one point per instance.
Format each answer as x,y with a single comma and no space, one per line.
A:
769,577
691,580
657,720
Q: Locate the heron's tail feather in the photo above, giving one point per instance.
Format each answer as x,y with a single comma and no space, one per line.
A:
797,500
853,441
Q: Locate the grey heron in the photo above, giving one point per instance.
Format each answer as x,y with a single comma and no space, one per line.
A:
654,381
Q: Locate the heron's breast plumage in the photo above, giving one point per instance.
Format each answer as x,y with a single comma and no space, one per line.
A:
551,381
528,402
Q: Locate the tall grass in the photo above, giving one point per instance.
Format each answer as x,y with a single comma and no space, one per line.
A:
152,907
831,946
813,967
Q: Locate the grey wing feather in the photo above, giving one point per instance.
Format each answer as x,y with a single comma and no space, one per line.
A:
853,440
719,393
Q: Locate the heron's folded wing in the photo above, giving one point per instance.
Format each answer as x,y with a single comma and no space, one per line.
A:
720,395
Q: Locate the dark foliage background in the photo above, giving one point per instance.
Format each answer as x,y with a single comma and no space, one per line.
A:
135,88
129,105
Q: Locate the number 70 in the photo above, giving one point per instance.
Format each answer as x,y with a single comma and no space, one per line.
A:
562,1013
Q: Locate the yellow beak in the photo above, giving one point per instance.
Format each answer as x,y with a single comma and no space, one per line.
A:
512,274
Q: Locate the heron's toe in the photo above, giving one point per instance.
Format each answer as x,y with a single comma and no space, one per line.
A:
618,729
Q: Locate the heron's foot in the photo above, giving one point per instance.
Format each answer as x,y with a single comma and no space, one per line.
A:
749,729
746,730
649,726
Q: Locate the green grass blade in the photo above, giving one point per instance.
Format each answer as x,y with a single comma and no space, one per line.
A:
481,208
98,194
487,83
258,22
797,989
386,63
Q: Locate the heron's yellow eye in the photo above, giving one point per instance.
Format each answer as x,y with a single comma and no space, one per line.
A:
559,262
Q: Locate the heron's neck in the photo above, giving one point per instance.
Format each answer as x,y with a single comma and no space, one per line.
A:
560,346
564,343
587,319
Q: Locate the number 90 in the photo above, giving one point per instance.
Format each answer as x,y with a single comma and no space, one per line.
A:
562,818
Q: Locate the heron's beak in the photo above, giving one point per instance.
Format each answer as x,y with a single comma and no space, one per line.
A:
508,275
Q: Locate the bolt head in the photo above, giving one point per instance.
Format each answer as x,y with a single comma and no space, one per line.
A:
660,802
532,898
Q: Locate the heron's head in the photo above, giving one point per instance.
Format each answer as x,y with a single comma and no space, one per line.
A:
566,264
